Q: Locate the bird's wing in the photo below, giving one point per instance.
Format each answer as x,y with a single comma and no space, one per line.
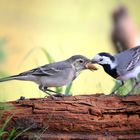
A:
49,69
135,59
127,60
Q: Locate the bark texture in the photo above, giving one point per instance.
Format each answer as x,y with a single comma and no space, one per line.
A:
86,117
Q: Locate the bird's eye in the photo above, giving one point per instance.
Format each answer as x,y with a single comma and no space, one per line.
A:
101,59
81,61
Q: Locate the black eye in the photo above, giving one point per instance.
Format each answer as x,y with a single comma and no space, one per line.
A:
81,61
101,59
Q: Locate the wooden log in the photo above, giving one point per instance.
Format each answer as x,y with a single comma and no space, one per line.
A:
84,117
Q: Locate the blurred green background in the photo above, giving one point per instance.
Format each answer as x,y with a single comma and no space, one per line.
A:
63,28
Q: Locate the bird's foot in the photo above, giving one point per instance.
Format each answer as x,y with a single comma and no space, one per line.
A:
113,93
20,99
61,95
57,96
52,97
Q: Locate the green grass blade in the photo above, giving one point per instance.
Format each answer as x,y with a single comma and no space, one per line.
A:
11,134
27,56
19,134
5,123
123,90
1,115
48,56
44,130
59,89
4,106
68,89
3,133
117,85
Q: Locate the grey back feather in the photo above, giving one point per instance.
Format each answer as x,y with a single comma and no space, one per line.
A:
127,60
48,70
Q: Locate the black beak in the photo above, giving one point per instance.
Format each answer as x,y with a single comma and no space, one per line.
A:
87,61
93,61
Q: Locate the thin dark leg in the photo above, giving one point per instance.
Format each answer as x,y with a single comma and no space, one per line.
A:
52,91
114,92
44,90
57,93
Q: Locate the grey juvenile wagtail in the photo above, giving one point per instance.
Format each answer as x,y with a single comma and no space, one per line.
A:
55,74
122,66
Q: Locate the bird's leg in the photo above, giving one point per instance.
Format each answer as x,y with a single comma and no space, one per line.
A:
57,93
114,92
46,90
42,88
135,83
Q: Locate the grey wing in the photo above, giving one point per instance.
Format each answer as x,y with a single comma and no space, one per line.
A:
127,60
48,70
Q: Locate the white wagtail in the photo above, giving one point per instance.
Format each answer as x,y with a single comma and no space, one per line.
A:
55,74
122,66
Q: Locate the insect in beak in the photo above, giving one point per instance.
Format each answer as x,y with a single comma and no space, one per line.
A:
91,67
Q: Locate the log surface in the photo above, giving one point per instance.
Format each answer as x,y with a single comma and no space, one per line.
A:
84,117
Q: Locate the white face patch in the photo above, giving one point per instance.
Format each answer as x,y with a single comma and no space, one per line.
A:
102,60
78,65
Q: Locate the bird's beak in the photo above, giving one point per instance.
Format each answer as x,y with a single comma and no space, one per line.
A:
91,67
93,61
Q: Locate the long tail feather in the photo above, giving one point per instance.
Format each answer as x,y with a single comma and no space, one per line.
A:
15,77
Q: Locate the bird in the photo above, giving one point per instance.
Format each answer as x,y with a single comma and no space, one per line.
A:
55,74
121,66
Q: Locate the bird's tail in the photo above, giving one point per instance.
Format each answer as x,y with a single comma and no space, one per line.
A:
14,77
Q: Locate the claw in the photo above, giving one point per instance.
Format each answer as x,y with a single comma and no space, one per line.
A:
58,95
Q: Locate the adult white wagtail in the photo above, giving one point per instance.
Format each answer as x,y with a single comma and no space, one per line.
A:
122,66
55,74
